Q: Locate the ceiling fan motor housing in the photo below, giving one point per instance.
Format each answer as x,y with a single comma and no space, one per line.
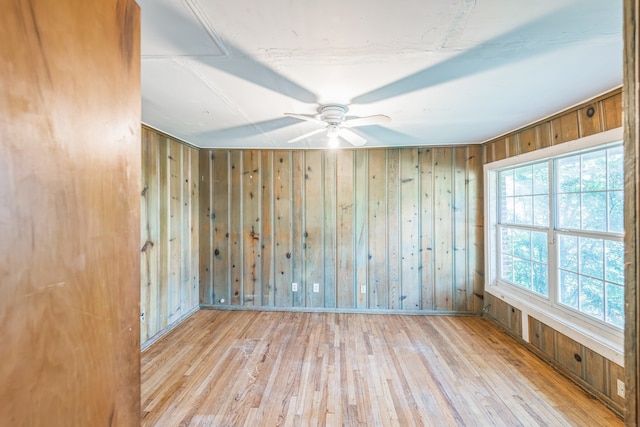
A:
333,113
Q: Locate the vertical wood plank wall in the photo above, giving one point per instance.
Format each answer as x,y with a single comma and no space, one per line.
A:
593,372
632,203
379,229
69,213
598,115
170,233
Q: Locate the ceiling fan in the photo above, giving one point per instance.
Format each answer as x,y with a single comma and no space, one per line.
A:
333,119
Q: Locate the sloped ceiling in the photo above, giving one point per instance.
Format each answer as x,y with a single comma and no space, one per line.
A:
219,73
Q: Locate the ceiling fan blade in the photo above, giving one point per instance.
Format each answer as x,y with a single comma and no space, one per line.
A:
366,121
306,135
305,117
351,137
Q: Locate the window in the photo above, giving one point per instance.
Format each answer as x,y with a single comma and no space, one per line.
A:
559,230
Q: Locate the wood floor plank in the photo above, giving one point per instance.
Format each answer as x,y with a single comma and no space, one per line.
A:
222,368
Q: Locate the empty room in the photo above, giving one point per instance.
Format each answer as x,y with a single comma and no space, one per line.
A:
318,213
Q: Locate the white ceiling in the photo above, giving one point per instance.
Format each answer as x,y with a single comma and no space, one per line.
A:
220,73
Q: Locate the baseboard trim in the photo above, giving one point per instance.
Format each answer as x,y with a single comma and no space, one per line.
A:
148,343
338,310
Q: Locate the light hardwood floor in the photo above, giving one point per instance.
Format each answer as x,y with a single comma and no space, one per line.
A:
234,368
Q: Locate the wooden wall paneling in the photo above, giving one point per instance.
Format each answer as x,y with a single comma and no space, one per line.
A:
489,155
589,119
267,226
251,230
513,144
221,242
174,297
185,229
393,227
206,230
314,229
527,140
565,127
534,329
543,135
475,213
361,256
615,373
410,229
443,236
515,321
427,294
329,204
70,196
612,111
194,231
594,369
283,228
344,238
631,86
500,149
569,354
377,230
236,241
165,265
297,214
150,239
462,291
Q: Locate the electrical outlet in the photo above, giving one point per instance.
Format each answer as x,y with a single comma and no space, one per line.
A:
294,287
316,287
363,289
620,388
142,317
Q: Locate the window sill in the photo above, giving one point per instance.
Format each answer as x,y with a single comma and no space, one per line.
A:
607,343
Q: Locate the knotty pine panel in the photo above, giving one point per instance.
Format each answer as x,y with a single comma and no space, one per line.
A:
170,232
70,200
596,115
402,225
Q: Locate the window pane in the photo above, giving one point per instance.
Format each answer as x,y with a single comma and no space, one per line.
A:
524,210
592,257
592,297
569,288
615,305
539,246
541,211
594,171
616,211
569,211
540,279
522,273
568,250
541,178
522,243
614,261
506,210
506,183
523,180
594,211
507,268
615,168
568,174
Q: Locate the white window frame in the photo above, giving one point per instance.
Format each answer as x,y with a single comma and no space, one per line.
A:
604,339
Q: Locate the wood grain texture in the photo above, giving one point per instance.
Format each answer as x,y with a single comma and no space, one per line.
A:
597,115
260,368
360,223
593,372
70,193
170,233
631,124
